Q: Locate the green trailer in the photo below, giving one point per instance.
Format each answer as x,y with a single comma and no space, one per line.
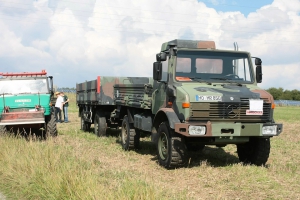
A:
198,96
26,102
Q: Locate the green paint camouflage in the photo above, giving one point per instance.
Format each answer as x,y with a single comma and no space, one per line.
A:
224,112
125,91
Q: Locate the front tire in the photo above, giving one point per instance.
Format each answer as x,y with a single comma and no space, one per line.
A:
129,137
171,150
100,124
255,152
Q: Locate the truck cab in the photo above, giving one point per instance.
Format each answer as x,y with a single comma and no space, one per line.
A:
26,101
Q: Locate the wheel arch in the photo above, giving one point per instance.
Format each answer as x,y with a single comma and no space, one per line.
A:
164,114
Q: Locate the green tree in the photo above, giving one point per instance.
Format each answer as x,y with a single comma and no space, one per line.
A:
286,95
276,93
295,95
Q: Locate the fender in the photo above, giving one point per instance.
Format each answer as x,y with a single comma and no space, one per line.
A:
163,114
171,116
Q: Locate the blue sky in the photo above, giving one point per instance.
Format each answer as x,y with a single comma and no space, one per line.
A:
77,40
242,6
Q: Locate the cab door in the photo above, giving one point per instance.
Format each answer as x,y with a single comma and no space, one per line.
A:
159,93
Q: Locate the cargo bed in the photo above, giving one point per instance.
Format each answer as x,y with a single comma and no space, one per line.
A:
129,91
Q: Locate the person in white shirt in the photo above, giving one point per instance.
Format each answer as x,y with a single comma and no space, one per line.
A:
58,107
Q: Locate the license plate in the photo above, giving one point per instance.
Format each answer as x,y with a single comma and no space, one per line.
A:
208,98
250,112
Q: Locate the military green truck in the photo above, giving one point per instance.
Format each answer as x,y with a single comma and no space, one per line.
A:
26,102
198,96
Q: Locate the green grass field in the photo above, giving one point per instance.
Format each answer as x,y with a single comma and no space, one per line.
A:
79,165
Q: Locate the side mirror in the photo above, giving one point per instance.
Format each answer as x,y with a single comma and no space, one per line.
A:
161,56
51,85
258,70
157,71
258,61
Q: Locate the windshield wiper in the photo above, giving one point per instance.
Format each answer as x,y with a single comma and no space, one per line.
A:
227,80
198,79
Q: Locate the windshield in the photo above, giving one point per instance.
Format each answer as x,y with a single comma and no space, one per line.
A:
13,86
213,66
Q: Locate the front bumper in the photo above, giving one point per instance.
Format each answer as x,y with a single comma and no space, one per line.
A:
19,118
219,129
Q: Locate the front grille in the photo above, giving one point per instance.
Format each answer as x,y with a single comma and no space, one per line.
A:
227,111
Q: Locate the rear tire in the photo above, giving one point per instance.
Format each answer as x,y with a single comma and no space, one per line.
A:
100,124
130,139
171,150
255,152
50,126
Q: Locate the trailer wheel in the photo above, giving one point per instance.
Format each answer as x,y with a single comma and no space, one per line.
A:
100,124
171,150
50,126
85,126
129,138
255,152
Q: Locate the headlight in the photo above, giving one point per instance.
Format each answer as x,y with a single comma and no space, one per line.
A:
197,130
269,130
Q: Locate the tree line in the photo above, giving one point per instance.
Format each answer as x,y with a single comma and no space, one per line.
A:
281,94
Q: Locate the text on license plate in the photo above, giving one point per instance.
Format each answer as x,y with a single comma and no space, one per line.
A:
208,98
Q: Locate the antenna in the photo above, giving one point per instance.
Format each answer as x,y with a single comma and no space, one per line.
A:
235,63
236,46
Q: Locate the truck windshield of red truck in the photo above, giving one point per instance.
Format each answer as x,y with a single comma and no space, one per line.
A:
24,86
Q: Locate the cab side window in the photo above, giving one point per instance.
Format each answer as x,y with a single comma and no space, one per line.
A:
242,69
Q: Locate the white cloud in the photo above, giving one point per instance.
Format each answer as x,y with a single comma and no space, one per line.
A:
78,41
284,76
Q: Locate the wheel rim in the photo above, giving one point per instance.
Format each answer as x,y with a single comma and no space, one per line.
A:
163,146
124,134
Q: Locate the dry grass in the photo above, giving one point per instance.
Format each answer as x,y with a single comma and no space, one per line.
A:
79,165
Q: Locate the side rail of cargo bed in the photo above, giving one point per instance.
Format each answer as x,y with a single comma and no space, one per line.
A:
133,95
101,91
90,93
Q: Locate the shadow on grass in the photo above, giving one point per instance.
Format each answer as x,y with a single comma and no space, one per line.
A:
210,156
110,132
215,157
